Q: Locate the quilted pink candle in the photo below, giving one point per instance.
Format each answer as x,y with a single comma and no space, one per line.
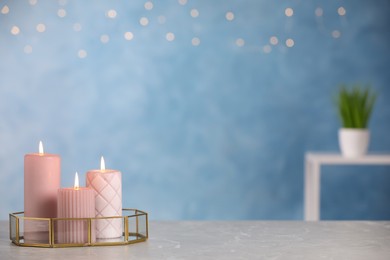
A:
76,202
108,201
41,181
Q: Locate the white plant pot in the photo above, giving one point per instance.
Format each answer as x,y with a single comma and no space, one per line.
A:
353,141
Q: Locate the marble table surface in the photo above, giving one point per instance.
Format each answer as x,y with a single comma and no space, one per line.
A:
231,240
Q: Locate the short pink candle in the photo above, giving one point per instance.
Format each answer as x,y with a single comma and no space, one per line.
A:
41,181
75,202
108,187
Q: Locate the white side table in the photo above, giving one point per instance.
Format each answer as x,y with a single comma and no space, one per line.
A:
313,162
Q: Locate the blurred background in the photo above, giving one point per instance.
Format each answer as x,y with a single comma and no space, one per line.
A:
206,107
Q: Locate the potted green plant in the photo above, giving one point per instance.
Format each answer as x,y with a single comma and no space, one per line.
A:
355,106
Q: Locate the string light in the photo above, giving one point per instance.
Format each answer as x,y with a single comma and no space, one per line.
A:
240,42
341,11
229,16
267,48
336,34
129,36
290,42
182,2
144,21
194,13
41,28
82,54
104,38
61,13
148,5
76,27
273,40
289,12
5,9
170,36
319,12
15,30
33,2
195,41
111,14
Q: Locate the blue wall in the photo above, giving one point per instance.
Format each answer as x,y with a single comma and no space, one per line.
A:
210,131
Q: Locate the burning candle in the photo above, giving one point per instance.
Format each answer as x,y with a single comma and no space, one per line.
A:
108,187
76,202
41,181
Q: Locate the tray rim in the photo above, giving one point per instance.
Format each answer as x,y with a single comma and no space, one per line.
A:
126,234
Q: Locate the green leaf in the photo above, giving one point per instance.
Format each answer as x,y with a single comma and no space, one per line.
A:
355,106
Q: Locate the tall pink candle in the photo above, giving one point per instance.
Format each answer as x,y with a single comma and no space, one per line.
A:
108,187
75,202
41,182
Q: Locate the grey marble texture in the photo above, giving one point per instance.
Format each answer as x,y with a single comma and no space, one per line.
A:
232,240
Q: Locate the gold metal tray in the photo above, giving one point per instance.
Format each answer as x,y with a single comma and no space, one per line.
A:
134,230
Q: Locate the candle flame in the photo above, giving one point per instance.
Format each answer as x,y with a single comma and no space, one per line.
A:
40,147
76,182
102,164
